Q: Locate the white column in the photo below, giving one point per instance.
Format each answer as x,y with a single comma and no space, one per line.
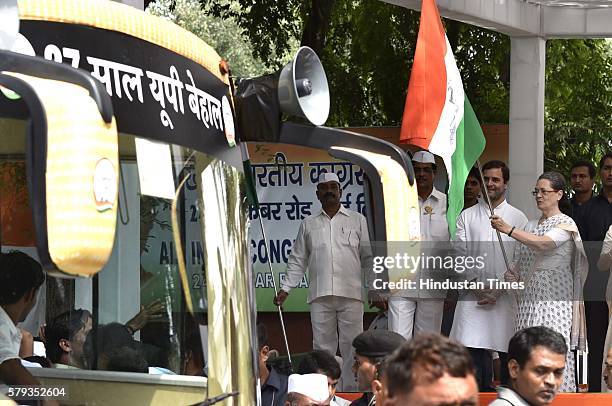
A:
83,293
119,283
139,4
526,155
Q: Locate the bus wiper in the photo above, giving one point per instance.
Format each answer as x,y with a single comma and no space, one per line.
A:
217,399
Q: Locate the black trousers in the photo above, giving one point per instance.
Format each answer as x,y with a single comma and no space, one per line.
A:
483,363
505,374
597,325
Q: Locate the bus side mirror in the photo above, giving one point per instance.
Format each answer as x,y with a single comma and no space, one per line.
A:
73,165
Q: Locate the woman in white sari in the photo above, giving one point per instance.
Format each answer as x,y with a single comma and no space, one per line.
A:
553,267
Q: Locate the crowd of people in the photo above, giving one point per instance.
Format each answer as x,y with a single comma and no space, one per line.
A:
70,340
555,260
429,369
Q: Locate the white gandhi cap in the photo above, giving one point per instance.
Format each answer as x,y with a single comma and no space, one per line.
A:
312,385
424,157
328,177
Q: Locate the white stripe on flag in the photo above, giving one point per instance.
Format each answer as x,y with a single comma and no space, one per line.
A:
444,141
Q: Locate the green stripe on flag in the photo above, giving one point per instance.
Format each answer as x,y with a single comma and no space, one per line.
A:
470,144
251,190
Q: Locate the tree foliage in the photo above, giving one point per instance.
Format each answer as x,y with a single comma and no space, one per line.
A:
578,102
483,58
367,47
223,34
274,27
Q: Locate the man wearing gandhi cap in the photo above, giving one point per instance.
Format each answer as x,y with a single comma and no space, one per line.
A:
333,246
409,314
307,390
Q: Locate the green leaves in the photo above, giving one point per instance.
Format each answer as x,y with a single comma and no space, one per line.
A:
272,26
578,102
367,55
223,34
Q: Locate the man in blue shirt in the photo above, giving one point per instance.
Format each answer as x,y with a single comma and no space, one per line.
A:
582,179
273,384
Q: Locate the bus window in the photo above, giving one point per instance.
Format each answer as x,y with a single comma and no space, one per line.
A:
133,318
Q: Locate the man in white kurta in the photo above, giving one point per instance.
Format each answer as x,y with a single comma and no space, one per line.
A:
487,326
414,311
333,245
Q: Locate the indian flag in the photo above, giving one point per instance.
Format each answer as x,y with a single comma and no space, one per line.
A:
437,115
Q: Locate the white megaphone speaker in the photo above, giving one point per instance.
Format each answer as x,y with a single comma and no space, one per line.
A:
303,89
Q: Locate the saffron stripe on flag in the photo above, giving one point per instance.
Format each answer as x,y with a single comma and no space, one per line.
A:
437,115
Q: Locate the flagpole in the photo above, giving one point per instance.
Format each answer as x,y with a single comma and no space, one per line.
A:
250,182
492,213
245,157
280,309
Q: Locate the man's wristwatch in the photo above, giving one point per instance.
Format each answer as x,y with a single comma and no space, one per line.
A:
511,230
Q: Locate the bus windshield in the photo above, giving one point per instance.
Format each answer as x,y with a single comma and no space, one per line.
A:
143,313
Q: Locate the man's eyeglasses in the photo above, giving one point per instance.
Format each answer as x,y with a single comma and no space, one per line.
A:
536,192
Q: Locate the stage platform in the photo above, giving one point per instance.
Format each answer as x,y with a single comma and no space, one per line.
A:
564,399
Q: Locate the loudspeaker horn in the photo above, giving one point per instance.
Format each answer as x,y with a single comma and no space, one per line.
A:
303,89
